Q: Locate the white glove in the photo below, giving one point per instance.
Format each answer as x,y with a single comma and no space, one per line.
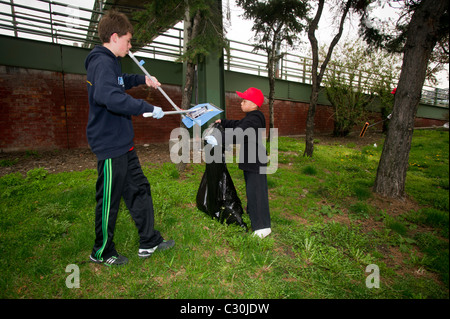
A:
211,140
157,112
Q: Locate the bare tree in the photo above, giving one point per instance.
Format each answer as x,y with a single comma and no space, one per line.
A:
317,75
276,22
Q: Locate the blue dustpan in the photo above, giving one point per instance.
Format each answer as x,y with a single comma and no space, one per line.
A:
200,114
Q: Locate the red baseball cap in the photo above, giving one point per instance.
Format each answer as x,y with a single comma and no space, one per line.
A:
253,94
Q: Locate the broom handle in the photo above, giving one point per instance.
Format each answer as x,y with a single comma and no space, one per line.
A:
150,77
169,112
387,118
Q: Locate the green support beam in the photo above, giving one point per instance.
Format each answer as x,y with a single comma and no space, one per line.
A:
211,86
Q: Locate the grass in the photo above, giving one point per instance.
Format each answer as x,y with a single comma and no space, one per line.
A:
327,228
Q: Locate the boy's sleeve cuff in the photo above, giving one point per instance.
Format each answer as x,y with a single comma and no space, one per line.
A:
141,79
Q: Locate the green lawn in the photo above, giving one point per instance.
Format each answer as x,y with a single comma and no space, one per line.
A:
327,226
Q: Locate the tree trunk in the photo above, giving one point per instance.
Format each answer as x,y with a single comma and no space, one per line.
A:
317,77
272,60
271,75
421,39
309,139
188,86
271,101
191,31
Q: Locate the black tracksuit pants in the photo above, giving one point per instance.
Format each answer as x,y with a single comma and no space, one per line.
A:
257,199
122,177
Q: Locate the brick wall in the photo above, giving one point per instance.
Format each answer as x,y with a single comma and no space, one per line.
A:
149,130
422,122
32,109
289,116
49,110
77,111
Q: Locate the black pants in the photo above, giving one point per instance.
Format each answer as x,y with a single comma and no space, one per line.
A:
257,199
122,177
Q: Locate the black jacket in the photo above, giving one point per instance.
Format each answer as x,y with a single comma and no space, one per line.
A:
253,153
109,130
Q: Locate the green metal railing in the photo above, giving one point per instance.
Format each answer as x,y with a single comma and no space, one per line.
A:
66,24
298,69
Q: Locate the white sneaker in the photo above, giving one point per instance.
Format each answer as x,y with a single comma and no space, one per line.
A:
145,253
166,244
261,233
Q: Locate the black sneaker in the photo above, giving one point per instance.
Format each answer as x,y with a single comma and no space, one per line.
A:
166,244
111,261
147,252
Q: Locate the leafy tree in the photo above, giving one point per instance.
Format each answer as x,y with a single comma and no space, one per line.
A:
203,32
158,16
384,88
276,22
391,34
349,105
345,84
422,27
354,78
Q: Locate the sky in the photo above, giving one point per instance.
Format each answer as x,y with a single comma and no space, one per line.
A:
240,29
237,27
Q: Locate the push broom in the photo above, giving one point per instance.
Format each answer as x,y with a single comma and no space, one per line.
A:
366,125
199,114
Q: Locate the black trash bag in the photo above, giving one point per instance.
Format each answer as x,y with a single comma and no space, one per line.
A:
217,195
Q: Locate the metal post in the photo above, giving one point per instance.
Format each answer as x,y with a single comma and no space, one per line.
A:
304,70
51,21
13,12
211,77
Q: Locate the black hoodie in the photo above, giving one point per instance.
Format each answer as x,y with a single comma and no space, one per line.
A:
253,153
110,130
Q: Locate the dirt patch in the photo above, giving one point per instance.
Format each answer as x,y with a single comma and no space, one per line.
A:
65,160
289,216
352,140
70,160
394,207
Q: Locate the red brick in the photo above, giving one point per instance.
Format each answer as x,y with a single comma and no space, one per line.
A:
41,111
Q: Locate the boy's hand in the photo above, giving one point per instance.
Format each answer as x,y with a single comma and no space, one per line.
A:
152,82
157,112
219,121
211,140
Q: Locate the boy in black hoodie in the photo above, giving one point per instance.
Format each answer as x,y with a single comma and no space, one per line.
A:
253,157
110,136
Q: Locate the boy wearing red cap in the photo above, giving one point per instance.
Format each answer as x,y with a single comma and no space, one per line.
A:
255,181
